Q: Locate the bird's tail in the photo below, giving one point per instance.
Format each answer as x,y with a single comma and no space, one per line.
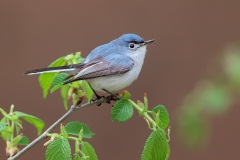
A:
70,68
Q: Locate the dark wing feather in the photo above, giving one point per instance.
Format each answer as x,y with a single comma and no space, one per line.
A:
99,67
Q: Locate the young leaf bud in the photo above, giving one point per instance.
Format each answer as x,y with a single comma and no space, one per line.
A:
145,100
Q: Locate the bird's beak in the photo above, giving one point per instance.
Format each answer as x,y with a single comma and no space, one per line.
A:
148,41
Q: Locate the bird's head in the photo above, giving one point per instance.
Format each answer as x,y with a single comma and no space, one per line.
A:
132,41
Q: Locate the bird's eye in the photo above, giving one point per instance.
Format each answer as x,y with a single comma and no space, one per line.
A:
131,45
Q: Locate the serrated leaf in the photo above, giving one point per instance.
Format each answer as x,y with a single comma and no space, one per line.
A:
64,95
36,122
74,128
163,117
168,154
122,110
156,146
87,89
46,79
55,88
58,81
88,150
2,126
24,141
59,150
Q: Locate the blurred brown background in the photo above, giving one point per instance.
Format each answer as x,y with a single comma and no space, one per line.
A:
189,34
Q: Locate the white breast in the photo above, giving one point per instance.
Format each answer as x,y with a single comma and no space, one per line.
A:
118,82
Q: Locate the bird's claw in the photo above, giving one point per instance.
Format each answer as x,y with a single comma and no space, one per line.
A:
97,98
107,99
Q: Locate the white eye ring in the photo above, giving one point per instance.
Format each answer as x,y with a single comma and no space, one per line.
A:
131,45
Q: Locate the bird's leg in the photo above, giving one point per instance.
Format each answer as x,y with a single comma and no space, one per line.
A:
108,99
111,97
97,96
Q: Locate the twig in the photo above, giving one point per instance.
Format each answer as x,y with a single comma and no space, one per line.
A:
42,136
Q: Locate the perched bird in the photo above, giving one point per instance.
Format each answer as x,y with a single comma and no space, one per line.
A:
109,67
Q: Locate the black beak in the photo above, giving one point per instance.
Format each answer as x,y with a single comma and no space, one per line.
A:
148,41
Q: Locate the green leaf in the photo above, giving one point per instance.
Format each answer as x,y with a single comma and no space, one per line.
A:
56,87
126,95
232,65
58,81
46,79
156,146
69,57
77,157
80,136
76,84
6,133
59,150
64,95
74,128
215,98
78,58
168,154
2,126
63,131
163,117
38,123
88,150
4,113
122,110
194,128
87,89
16,140
24,141
18,126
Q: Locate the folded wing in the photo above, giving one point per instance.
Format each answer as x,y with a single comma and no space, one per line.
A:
104,66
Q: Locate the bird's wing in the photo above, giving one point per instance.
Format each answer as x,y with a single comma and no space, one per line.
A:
104,66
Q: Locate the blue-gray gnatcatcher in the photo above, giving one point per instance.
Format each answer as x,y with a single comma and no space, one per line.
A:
109,67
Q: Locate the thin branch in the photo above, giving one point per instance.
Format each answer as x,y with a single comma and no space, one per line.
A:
42,136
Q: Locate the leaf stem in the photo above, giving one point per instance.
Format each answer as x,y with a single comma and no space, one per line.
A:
72,138
143,113
44,134
12,126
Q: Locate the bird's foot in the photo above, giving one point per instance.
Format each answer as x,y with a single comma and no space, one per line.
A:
113,97
97,98
108,99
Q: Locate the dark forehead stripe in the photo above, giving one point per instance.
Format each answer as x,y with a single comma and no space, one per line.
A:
137,42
